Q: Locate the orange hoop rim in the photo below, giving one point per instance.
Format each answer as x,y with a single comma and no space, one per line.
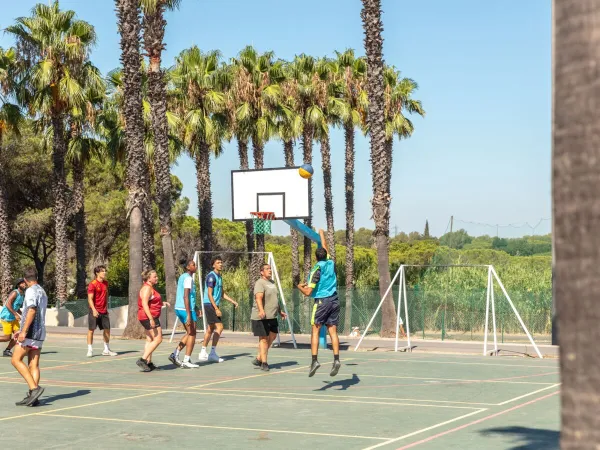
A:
263,215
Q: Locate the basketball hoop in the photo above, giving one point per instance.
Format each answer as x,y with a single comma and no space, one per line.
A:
262,222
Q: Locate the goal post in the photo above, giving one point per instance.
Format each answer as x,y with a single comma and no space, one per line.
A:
200,297
400,277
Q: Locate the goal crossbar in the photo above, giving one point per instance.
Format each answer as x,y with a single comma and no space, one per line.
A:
490,304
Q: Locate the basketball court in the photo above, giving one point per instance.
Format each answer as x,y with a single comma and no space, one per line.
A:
378,400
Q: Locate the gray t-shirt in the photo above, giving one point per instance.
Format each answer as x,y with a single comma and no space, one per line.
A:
35,297
270,300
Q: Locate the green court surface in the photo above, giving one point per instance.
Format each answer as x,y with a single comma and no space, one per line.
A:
378,400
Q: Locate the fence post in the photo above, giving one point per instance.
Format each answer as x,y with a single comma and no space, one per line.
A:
233,324
444,320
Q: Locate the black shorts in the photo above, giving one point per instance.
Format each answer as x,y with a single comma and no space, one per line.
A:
211,315
326,311
102,322
146,323
263,327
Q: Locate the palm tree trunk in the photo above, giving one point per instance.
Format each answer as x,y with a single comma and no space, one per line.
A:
371,17
245,165
80,229
154,31
326,166
148,250
288,149
258,154
203,187
5,272
137,171
349,182
306,143
389,154
61,207
576,212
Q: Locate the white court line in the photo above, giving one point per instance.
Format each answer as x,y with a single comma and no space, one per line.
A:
333,400
245,378
269,391
264,430
527,395
407,360
423,430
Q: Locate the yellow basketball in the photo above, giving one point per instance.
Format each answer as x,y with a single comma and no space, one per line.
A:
306,171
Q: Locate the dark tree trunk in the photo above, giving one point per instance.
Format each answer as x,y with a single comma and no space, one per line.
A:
389,155
373,26
288,148
576,212
349,182
154,31
204,203
148,250
245,165
5,272
258,154
61,207
137,180
326,166
80,229
307,135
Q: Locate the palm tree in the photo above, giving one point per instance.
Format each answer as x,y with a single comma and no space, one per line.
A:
55,48
575,205
10,120
350,73
381,168
137,180
198,82
154,30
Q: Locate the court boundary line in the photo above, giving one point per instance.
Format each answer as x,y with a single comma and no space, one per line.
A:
245,378
423,430
527,395
309,433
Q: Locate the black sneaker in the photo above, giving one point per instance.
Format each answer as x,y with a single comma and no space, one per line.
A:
256,362
152,366
174,360
7,352
24,401
313,368
35,394
335,368
142,364
36,403
265,367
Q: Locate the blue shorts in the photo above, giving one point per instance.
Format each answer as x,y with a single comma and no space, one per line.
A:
326,311
182,315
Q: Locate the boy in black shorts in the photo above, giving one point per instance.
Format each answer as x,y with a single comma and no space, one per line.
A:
322,286
264,315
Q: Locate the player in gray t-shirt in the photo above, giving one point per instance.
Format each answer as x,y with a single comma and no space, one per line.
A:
31,337
264,315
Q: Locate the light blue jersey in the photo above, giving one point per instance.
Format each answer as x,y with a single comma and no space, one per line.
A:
6,315
214,281
186,281
322,279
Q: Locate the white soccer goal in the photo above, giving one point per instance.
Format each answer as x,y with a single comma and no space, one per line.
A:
490,301
270,260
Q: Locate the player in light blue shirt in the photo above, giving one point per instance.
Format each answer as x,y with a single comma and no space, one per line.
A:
185,310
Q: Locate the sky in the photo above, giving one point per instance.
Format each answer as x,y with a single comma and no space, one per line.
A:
482,153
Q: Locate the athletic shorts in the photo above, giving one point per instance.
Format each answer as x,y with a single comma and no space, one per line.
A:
263,327
182,315
102,321
146,323
211,315
33,344
326,311
10,327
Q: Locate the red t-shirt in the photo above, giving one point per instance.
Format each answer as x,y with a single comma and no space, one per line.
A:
99,289
154,304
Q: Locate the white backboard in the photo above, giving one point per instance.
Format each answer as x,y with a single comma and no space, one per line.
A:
281,191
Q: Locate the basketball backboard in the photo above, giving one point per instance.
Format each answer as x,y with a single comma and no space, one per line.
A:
279,190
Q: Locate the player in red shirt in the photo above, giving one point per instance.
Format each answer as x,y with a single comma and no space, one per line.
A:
149,306
98,315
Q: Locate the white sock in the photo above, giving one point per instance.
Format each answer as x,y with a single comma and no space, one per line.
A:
204,349
90,348
186,358
177,352
106,348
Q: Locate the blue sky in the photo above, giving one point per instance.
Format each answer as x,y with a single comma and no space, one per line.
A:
482,153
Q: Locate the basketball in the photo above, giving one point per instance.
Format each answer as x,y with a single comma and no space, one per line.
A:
306,171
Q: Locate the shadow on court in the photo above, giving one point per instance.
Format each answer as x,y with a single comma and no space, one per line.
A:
528,438
47,401
232,357
47,353
281,365
343,384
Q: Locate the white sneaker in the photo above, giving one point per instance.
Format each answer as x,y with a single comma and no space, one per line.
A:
203,356
213,357
90,353
189,365
108,353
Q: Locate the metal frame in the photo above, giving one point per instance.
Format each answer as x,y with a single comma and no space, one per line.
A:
264,194
270,260
490,300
